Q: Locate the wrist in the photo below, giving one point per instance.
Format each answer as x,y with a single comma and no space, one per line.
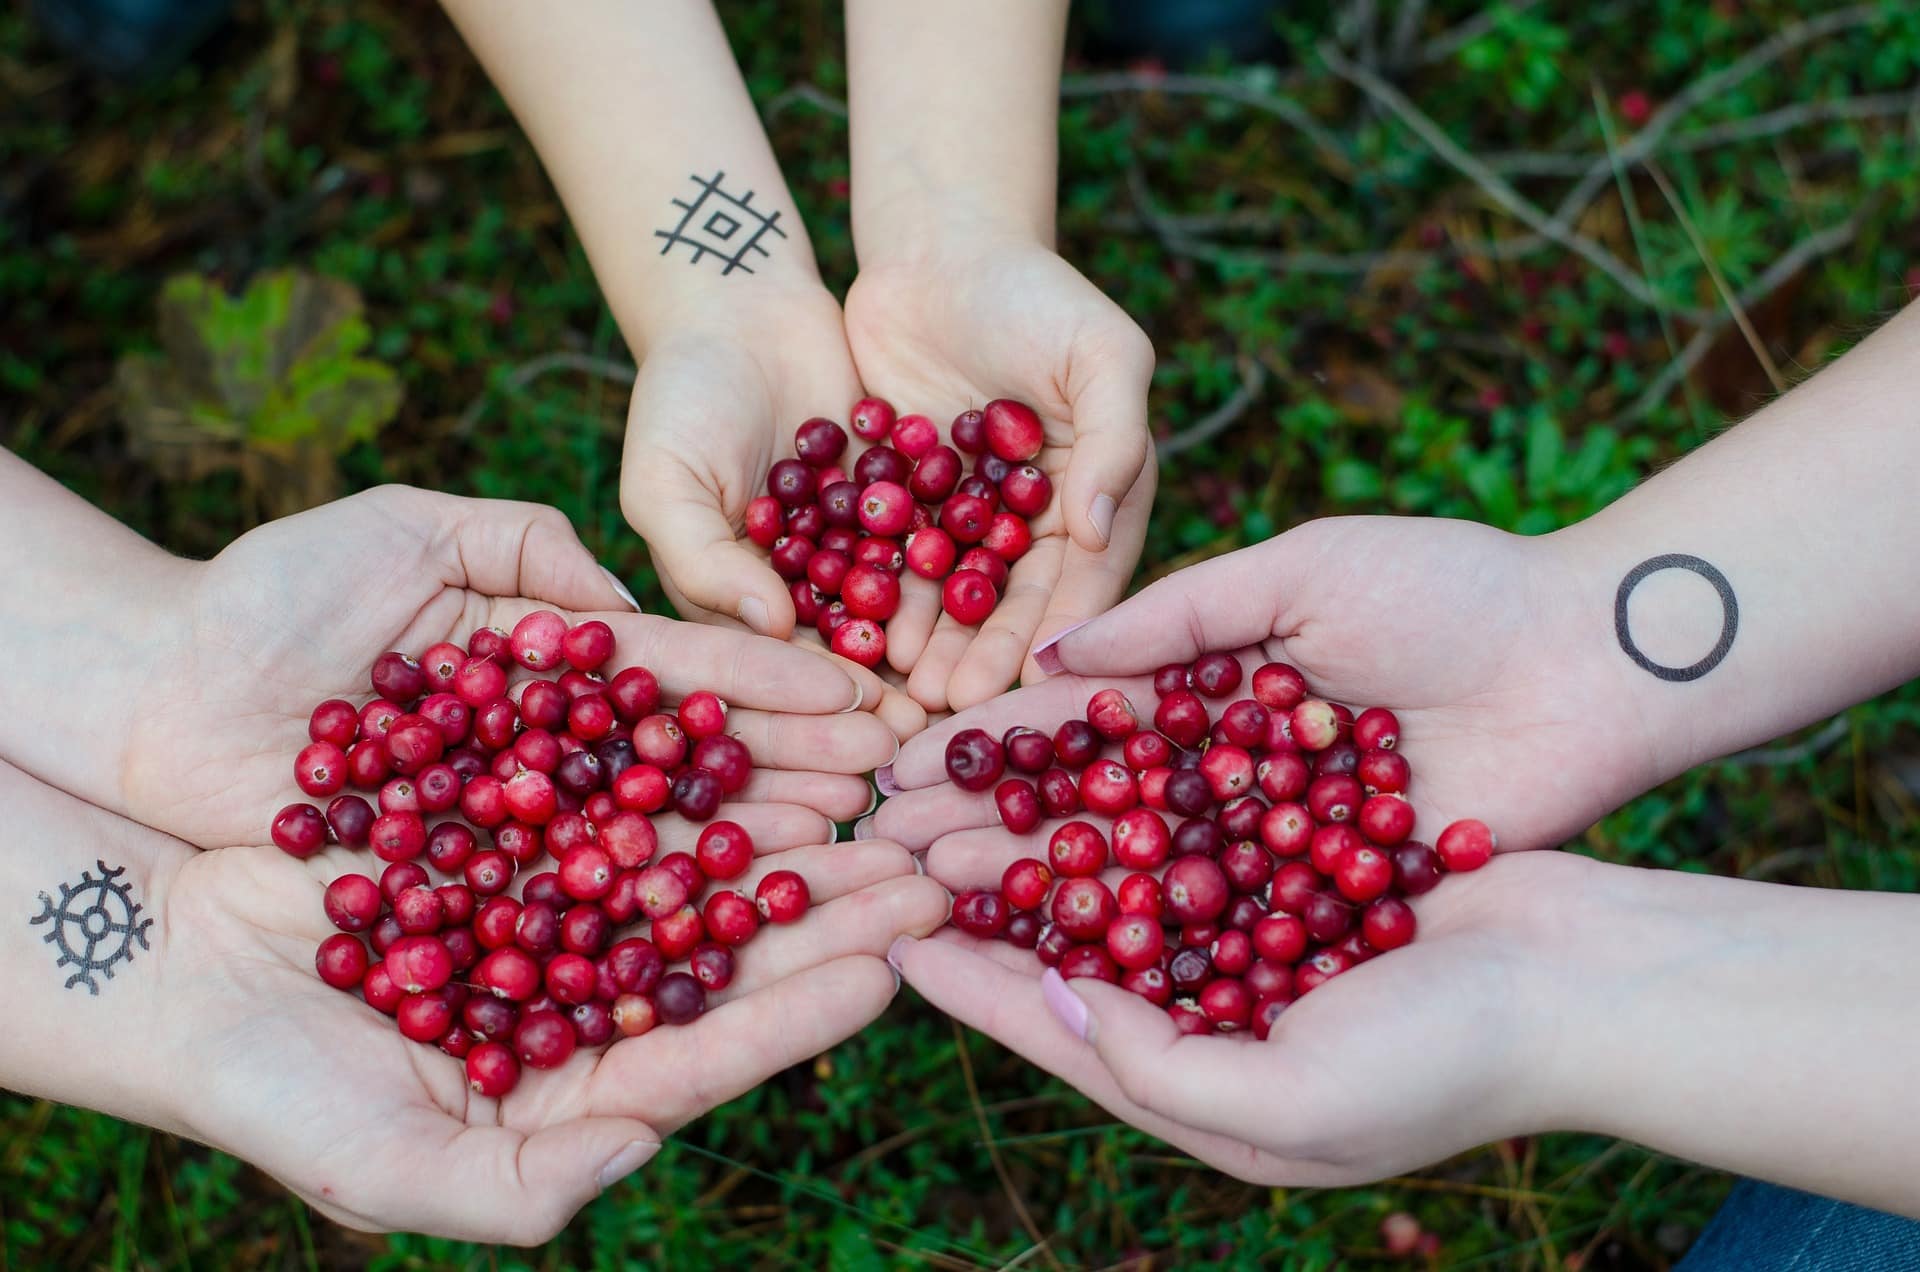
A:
920,217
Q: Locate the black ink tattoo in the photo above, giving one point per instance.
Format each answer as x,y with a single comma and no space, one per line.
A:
730,215
94,925
1729,606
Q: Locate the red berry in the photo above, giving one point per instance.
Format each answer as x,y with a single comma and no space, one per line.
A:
341,961
1228,770
1226,1005
1141,840
1018,804
588,646
1416,868
299,830
1026,490
492,1070
819,442
1025,883
679,998
1112,715
974,760
1195,889
1077,850
544,1040
1135,941
634,1014
766,520
1013,431
980,914
730,918
658,740
1383,772
1216,675
1091,962
334,721
966,517
860,640
968,597
1334,798
914,436
1465,845
1108,788
1376,727
1315,725
782,897
536,639
871,419
1182,717
1386,820
1084,908
1140,894
1327,917
1388,924
419,964
886,509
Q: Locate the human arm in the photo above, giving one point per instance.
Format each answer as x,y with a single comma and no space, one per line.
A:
961,299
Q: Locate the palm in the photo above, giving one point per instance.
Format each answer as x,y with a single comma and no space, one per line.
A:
321,1091
940,337
1439,620
1404,1060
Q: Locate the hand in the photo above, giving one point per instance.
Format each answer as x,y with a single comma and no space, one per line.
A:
1409,1058
253,1054
976,316
297,611
1495,654
717,402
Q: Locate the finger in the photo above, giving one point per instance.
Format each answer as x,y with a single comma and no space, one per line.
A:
694,543
927,682
495,1184
862,922
1230,602
673,1075
772,827
1091,582
995,988
917,819
745,669
850,742
831,870
878,693
993,657
912,624
969,859
1108,395
840,796
922,761
500,547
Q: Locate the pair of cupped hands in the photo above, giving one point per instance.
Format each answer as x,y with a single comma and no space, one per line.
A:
1411,1056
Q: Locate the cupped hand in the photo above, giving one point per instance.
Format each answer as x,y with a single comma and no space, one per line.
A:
716,403
297,611
378,1132
1437,1047
983,316
1493,650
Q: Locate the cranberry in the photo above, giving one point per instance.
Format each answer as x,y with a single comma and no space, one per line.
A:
1327,918
688,870
1240,819
1190,968
1059,793
1195,890
1278,687
489,1017
1182,717
968,597
860,640
966,517
1008,538
634,693
1108,788
1216,675
765,521
1144,750
398,678
381,993
782,897
489,873
1464,845
1330,844
1077,850
679,998
1083,909
1139,893
1319,969
419,964
1197,837
1334,798
659,741
1018,803
334,721
1283,776
1025,883
634,1014
974,760
1091,962
1026,490
320,769
1232,952
1075,744
730,918
1012,430
1388,924
1141,840
826,571
1416,868
590,717
980,914
969,432
1228,770
1342,758
984,562
544,1040
635,965
341,960
1315,725
819,442
1376,727
1188,793
1052,945
1247,866
1363,873
871,419
350,819
1135,941
1023,929
299,830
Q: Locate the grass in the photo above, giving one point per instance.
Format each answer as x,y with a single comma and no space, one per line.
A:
1355,256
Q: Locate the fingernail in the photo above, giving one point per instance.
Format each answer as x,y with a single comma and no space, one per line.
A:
1048,656
919,863
1067,1007
863,829
897,952
613,581
883,778
753,612
1101,514
622,1164
873,803
859,696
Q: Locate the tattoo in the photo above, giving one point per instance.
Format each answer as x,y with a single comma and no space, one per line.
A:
1729,606
94,925
731,215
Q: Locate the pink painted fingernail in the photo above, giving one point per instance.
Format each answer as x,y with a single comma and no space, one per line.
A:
863,829
1067,1007
897,952
1101,514
1048,656
883,778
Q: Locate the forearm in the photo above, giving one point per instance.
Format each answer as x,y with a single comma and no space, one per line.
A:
86,1024
1760,1028
1807,512
955,110
631,107
88,611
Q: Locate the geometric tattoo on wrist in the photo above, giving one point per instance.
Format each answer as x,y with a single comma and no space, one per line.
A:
1729,607
94,925
720,225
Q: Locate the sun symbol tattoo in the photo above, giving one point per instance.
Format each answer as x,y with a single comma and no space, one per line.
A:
94,925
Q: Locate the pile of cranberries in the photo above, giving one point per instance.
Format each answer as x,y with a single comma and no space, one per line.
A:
909,505
1288,861
572,767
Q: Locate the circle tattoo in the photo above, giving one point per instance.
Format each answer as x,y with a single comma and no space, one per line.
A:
1729,606
94,925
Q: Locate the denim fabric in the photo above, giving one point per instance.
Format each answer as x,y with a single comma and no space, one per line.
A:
1764,1228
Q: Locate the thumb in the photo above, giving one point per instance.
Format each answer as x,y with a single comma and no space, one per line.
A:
1229,602
694,547
1200,1082
1109,433
500,547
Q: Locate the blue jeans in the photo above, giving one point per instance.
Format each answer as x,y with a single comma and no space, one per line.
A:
1764,1228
